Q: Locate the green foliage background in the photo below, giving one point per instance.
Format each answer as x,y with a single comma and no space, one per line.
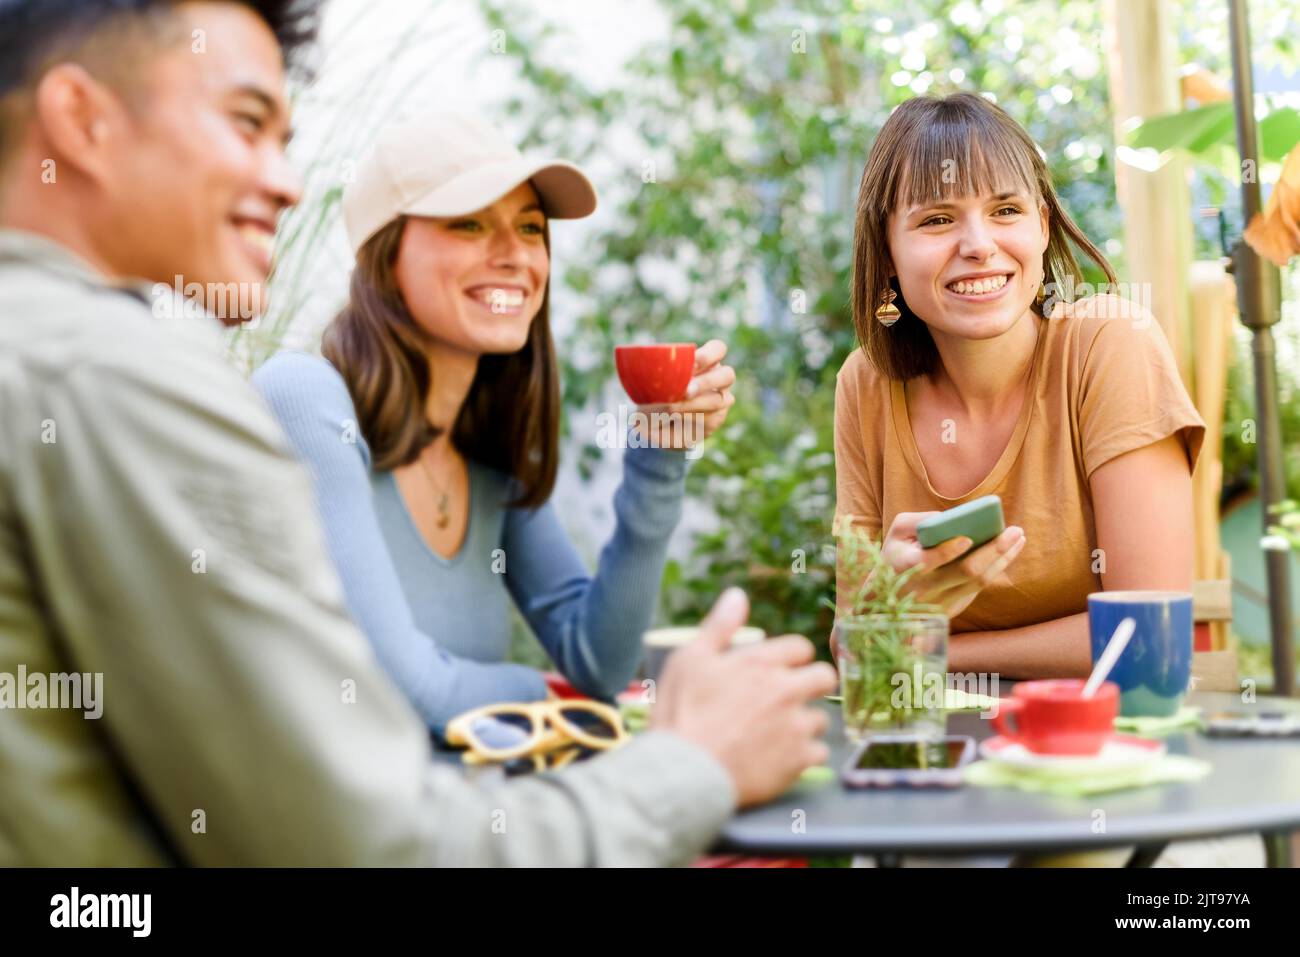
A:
757,144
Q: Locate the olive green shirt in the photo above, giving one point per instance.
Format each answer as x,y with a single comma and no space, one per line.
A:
155,530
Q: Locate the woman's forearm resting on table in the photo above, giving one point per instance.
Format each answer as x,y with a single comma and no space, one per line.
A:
1058,648
1143,505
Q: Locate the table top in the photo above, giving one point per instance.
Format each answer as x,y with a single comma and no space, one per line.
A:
1254,785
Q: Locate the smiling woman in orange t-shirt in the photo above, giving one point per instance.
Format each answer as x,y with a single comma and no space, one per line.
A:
993,377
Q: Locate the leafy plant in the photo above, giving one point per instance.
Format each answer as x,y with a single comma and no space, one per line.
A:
1208,133
729,149
883,589
877,629
1240,425
1207,136
770,484
1288,522
733,148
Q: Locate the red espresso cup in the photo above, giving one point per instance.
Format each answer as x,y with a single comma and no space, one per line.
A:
1053,717
655,374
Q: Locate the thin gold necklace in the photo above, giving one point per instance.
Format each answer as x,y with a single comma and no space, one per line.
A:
443,497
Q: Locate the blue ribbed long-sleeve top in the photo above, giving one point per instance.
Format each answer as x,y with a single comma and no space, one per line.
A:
441,626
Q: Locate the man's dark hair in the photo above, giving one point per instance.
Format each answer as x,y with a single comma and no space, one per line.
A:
32,31
36,34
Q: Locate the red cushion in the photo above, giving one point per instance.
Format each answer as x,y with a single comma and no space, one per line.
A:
560,685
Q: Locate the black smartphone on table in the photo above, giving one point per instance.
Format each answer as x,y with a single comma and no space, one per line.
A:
909,761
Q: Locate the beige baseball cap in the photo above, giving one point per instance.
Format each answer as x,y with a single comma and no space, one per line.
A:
450,164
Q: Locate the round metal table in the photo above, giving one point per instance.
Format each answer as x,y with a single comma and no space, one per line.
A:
1254,786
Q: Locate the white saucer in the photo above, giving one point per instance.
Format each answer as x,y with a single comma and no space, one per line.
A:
1121,751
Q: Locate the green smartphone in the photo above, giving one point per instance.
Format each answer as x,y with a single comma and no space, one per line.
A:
980,520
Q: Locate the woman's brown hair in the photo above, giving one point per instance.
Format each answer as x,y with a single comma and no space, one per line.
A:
932,149
510,420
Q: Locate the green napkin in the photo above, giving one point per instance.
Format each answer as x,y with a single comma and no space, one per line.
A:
636,715
817,775
954,699
1170,768
1149,727
812,779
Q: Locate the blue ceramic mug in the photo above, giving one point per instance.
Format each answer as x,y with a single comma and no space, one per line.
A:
1156,667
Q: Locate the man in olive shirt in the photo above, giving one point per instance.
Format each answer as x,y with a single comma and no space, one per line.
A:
154,529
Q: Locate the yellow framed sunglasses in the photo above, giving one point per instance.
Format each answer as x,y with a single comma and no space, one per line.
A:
503,732
552,760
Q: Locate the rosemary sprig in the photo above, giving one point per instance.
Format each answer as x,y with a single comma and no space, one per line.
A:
885,650
881,588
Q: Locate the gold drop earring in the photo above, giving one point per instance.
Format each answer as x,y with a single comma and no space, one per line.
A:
887,313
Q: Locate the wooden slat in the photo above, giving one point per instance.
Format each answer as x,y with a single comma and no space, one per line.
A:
1221,631
1212,600
1142,60
1213,308
1215,671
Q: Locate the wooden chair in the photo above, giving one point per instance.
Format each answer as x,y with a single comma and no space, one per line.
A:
1214,653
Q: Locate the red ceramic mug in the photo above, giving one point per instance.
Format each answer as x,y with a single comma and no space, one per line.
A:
1053,717
655,374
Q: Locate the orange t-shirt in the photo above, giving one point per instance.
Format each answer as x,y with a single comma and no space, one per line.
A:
1103,382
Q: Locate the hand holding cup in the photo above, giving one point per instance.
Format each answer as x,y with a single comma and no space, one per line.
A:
683,393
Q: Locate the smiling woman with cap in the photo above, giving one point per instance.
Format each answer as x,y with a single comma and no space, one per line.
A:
431,427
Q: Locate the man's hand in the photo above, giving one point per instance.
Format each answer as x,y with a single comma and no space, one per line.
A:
747,706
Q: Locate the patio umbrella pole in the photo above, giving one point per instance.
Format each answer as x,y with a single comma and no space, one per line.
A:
1259,302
